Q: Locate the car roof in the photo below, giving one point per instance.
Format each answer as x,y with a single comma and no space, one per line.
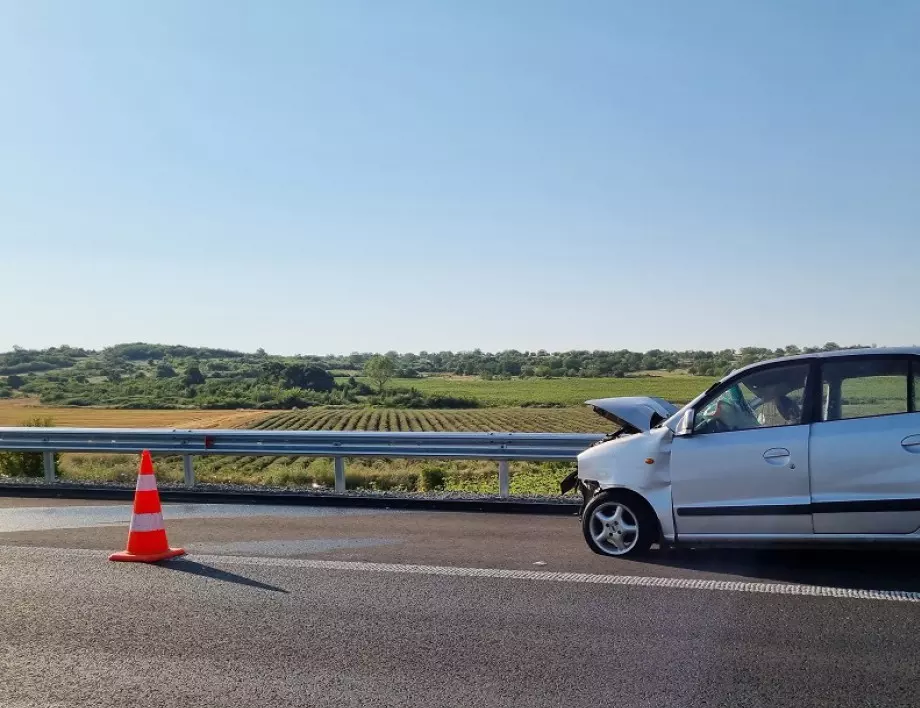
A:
869,351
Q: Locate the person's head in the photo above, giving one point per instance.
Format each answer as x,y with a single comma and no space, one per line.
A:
770,393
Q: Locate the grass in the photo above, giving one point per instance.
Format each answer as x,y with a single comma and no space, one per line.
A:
479,476
678,388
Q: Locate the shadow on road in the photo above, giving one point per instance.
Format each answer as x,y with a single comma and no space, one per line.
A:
862,568
184,565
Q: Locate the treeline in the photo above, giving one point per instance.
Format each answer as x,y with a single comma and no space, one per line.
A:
119,359
581,363
151,375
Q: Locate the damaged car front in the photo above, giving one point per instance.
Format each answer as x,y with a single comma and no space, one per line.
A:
624,479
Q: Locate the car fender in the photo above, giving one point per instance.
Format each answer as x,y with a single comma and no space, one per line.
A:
639,463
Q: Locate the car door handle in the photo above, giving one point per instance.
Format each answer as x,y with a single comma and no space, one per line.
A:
775,452
911,443
776,456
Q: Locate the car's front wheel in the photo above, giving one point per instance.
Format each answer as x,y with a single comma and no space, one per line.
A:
617,523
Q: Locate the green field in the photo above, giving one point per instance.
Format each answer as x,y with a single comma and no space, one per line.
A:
678,388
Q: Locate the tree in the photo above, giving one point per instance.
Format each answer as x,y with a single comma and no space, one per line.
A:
14,381
165,371
193,376
379,369
272,371
312,378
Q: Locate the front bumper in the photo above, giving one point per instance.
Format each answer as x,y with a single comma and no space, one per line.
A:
586,488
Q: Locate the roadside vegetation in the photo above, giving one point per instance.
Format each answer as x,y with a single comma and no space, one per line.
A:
26,464
409,476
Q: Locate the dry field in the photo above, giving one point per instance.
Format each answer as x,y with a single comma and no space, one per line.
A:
16,411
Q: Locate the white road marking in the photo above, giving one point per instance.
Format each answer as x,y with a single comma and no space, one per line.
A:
589,578
505,574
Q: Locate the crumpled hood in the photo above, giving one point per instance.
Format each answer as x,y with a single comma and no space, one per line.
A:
636,414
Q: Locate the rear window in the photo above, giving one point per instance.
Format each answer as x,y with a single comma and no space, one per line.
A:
864,388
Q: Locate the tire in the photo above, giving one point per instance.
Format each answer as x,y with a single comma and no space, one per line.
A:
629,534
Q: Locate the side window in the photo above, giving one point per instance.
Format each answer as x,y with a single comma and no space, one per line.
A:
763,399
915,366
862,388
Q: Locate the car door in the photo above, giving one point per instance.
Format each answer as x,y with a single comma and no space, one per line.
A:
865,449
743,469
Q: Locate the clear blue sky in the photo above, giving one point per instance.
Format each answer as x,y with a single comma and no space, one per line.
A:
338,176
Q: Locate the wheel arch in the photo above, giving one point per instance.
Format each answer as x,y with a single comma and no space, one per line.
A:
631,496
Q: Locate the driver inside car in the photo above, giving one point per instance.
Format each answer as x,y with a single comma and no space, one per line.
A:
777,408
731,411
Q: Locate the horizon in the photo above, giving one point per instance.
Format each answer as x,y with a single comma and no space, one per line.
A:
736,349
416,176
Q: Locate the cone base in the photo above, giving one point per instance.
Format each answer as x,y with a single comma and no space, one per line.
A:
147,557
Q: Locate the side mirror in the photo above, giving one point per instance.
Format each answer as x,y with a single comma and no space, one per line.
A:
685,425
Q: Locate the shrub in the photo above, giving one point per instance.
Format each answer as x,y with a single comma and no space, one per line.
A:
400,398
451,402
431,479
403,481
26,464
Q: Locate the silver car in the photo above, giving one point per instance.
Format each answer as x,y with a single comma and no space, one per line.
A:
813,448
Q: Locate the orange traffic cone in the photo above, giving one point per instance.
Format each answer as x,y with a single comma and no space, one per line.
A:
147,536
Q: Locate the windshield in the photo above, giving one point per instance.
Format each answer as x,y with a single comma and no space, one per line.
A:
672,420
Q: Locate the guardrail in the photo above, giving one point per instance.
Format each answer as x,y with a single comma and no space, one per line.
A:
501,447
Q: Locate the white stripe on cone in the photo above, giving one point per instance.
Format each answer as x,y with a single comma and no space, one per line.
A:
147,522
146,483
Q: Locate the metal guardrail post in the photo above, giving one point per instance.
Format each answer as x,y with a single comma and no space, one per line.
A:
48,460
188,469
504,479
339,474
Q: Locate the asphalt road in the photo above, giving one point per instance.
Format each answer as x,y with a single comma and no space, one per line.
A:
327,607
